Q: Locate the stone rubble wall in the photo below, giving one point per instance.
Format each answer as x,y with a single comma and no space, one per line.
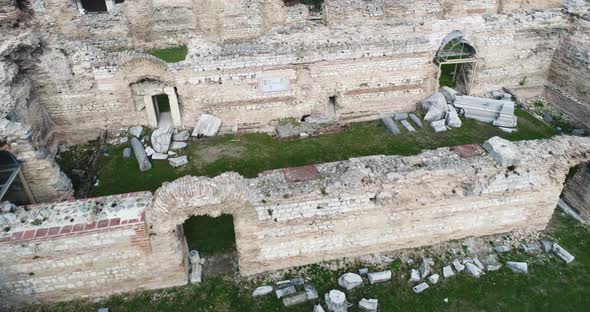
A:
284,218
577,190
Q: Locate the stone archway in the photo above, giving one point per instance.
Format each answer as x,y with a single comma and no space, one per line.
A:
145,94
457,62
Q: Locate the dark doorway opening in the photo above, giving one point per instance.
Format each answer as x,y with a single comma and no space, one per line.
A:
94,6
162,108
332,105
210,235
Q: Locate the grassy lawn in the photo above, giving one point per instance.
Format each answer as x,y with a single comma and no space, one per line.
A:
250,154
170,55
550,285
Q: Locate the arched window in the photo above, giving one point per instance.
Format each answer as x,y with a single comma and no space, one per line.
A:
457,62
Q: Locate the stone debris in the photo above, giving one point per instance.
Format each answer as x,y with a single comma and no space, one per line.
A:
310,291
297,298
548,118
562,253
159,156
379,277
453,119
208,125
414,276
416,120
171,153
458,266
262,291
349,281
439,126
391,126
491,263
433,279
140,155
292,131
127,152
565,207
420,288
283,284
498,112
178,145
474,270
7,207
400,116
369,305
503,151
448,271
336,301
363,271
478,264
547,245
318,308
136,131
532,248
161,139
408,126
181,136
196,267
501,95
286,291
434,114
579,132
297,281
425,267
149,151
518,267
123,140
178,161
436,107
502,249
449,94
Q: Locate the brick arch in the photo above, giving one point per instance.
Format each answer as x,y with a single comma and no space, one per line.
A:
188,196
144,67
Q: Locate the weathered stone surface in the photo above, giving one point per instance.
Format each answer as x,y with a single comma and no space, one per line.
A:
178,161
414,276
178,145
349,281
499,112
420,288
502,248
136,131
297,298
208,125
474,270
479,264
439,126
127,152
318,308
518,267
503,151
196,273
562,253
400,116
181,136
433,279
379,277
416,120
458,265
453,119
310,291
161,139
336,301
547,245
408,126
425,267
140,155
449,93
532,248
262,291
391,126
287,291
159,156
437,100
149,151
369,305
448,271
434,113
363,271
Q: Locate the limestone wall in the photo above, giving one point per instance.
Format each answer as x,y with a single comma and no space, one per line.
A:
284,218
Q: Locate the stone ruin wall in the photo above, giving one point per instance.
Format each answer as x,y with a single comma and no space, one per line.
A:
283,218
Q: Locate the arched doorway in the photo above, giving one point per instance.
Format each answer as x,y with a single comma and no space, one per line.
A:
457,62
159,101
13,186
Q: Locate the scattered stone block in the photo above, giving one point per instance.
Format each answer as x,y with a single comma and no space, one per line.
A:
518,267
506,118
502,249
287,291
562,253
297,281
310,291
439,126
491,263
433,279
503,151
437,100
425,267
297,298
579,132
349,281
448,271
453,119
127,152
149,151
136,131
159,156
458,266
161,139
478,264
414,276
194,257
171,153
408,126
379,277
196,276
473,269
318,308
420,288
434,114
531,248
208,125
369,305
262,291
7,207
181,136
123,140
178,145
400,116
499,112
449,94
548,118
336,301
140,155
178,161
547,245
283,284
391,126
416,120
363,271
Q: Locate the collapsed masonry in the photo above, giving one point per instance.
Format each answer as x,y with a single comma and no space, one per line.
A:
284,218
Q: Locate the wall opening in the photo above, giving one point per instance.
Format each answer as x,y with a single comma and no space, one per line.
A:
94,6
332,102
161,104
457,63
